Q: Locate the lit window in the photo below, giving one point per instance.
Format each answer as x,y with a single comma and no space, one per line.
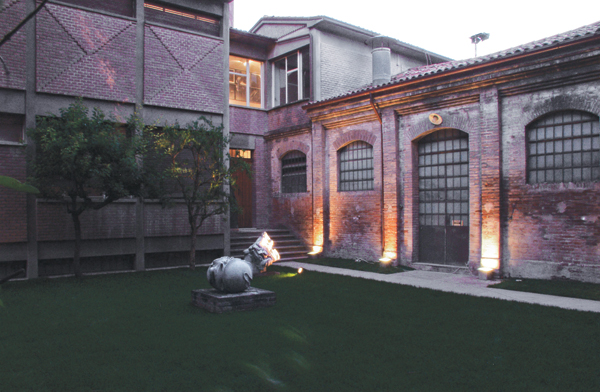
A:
356,167
563,147
241,71
11,127
293,172
182,18
292,78
244,154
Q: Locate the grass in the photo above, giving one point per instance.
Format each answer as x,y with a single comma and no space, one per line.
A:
377,267
563,288
138,332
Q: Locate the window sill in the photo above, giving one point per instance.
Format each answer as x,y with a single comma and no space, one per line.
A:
13,144
247,107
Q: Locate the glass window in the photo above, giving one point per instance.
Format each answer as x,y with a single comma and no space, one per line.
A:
241,71
563,147
293,172
11,127
292,77
182,18
356,167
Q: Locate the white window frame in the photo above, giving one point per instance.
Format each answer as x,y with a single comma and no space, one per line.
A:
275,87
249,81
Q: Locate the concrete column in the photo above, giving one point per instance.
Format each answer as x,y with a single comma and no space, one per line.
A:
491,156
225,34
30,112
140,245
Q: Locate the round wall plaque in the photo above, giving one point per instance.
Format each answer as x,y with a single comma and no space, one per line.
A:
435,119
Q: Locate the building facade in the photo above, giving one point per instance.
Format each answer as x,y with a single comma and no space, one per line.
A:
363,146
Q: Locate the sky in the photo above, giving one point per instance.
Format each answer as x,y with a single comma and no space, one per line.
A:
441,27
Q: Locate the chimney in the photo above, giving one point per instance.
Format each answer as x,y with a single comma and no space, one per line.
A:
381,57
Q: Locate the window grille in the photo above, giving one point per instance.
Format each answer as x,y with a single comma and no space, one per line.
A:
293,172
119,7
563,147
356,167
444,179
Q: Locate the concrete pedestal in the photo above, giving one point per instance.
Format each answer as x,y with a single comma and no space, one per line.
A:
217,302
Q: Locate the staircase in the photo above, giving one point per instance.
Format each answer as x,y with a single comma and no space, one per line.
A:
289,247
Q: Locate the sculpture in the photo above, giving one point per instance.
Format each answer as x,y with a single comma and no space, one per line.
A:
234,275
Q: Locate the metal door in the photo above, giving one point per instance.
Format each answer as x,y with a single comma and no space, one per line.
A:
444,197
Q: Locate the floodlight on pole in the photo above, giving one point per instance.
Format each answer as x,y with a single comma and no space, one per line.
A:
477,38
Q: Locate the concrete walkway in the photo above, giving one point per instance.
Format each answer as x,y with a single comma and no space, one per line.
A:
460,284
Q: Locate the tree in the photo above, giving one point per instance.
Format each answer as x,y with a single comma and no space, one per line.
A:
198,170
85,162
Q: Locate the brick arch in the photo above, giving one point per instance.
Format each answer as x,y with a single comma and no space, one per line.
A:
560,103
291,146
424,127
352,136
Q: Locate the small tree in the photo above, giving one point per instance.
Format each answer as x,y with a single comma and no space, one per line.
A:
85,162
197,171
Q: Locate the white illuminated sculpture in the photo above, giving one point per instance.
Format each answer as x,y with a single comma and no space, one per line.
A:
233,275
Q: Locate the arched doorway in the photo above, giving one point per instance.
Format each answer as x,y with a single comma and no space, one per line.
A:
444,197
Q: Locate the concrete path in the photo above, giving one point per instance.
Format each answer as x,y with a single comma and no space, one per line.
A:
461,284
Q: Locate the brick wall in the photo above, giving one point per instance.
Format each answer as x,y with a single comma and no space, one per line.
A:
354,217
248,121
287,116
174,221
292,210
550,230
183,70
13,51
343,70
13,211
117,220
81,53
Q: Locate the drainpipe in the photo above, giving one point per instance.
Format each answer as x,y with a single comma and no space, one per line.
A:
382,210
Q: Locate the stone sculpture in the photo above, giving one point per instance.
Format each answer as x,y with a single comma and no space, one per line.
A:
233,275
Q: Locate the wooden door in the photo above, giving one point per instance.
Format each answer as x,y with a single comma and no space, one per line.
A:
242,192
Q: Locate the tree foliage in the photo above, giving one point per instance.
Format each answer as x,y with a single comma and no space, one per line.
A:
85,162
197,170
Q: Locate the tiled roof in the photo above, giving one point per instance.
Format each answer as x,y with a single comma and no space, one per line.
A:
427,70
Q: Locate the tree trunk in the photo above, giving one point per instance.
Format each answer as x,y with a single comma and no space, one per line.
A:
77,253
193,247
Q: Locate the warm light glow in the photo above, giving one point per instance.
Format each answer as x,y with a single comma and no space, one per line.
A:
385,260
316,250
300,270
267,244
488,263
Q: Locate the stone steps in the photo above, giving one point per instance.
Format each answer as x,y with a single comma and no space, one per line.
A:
289,247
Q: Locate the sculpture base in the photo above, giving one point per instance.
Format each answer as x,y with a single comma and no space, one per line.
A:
217,302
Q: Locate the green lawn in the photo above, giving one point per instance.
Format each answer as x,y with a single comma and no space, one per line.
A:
563,288
360,265
138,332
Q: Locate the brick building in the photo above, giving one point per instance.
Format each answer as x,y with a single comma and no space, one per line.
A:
361,145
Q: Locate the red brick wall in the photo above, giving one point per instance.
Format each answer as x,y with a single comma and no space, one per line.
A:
87,54
13,205
354,217
13,51
183,70
292,210
549,229
287,116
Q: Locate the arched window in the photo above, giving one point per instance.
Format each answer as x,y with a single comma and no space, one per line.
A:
293,172
356,167
563,147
